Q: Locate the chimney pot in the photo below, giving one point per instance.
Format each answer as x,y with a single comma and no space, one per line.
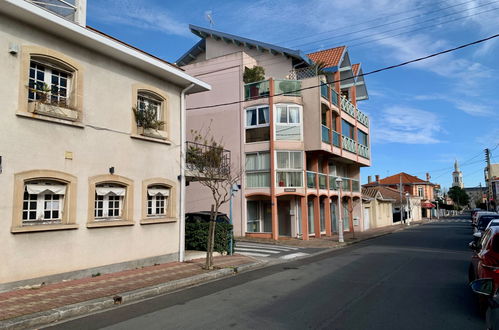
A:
369,179
377,178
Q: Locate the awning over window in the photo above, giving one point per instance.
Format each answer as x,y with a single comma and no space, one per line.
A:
103,191
427,205
36,189
158,191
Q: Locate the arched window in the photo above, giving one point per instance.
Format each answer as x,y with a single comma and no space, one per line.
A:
159,201
150,112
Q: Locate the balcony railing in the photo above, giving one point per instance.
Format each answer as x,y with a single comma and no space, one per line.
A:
355,185
332,182
287,87
346,184
362,118
363,151
311,182
324,91
207,160
325,134
347,106
336,139
256,90
349,144
334,97
322,181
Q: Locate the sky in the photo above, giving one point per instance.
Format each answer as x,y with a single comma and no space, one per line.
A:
423,116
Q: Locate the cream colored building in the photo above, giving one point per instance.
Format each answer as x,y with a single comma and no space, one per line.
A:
83,189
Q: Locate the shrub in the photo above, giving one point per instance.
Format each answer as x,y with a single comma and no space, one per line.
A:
196,236
257,73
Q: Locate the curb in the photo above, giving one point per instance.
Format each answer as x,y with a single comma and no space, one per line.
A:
80,309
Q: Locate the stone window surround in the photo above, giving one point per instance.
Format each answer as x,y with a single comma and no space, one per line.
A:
127,213
59,59
171,212
69,214
165,114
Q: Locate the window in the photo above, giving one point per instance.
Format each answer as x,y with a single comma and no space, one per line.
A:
362,138
109,201
289,168
257,124
347,129
259,217
157,201
288,122
43,202
64,8
48,84
150,119
420,192
257,170
149,102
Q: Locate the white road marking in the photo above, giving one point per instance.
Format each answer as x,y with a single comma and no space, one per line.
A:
252,254
255,250
294,255
273,247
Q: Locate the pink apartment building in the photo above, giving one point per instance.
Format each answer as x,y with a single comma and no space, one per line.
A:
297,134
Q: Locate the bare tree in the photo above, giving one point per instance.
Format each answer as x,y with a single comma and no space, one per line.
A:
208,158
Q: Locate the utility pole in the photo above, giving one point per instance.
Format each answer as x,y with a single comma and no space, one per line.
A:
487,178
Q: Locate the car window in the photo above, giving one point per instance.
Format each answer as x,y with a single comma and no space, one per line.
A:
485,239
484,221
495,243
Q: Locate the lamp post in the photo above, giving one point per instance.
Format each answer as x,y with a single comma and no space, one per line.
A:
235,188
339,183
407,199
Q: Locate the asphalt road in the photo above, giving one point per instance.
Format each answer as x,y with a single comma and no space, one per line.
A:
414,279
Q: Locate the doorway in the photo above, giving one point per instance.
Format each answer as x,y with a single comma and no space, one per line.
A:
284,215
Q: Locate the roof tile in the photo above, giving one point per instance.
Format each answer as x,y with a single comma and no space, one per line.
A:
330,57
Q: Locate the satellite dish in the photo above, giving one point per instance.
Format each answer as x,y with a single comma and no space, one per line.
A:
208,15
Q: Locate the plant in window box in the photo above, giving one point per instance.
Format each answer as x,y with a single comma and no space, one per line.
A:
51,102
148,123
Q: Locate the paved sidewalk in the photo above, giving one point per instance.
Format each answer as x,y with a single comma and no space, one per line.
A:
26,308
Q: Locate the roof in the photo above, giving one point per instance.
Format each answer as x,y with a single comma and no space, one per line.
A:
355,69
330,57
237,40
96,41
383,193
395,180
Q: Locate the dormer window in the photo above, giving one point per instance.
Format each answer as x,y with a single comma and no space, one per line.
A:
67,9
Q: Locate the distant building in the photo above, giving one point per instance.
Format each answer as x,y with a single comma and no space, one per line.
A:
457,176
492,183
477,195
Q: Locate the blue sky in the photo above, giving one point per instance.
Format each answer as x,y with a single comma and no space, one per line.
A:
423,116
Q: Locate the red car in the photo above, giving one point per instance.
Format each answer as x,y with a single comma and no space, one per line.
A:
485,260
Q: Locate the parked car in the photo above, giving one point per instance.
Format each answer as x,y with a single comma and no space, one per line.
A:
484,288
475,210
485,260
477,214
204,216
483,221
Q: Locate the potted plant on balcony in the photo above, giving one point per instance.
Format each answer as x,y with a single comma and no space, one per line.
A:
50,102
252,75
147,122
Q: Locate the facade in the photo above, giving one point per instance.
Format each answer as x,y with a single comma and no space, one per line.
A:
457,176
478,195
294,134
492,184
84,188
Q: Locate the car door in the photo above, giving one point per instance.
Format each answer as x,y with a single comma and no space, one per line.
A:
484,247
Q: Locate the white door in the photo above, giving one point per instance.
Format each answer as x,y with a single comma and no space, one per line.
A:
366,218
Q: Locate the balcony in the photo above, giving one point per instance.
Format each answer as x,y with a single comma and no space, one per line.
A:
336,139
324,91
334,97
349,144
256,90
347,106
311,182
363,151
322,181
325,134
204,161
346,184
332,182
355,186
287,87
362,118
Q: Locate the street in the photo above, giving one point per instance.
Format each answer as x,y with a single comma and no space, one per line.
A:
413,279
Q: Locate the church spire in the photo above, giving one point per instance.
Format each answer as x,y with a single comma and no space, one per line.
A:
456,166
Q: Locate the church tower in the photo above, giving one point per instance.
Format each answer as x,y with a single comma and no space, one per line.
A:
457,176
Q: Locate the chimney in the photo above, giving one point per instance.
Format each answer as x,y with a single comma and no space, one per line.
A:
377,178
428,177
369,179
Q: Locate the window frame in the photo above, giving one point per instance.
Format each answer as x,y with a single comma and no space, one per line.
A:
259,170
287,123
68,206
163,134
126,218
171,214
256,108
289,169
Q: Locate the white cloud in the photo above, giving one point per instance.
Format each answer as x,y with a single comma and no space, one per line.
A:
401,124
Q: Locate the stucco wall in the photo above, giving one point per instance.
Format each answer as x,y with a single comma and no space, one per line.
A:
28,144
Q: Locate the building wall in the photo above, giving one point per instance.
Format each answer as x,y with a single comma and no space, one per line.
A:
381,213
30,144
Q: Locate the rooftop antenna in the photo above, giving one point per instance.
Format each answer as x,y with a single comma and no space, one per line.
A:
208,15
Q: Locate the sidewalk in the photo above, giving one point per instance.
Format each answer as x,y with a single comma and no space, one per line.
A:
28,308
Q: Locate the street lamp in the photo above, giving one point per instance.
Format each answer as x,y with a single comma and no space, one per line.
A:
339,183
408,212
233,189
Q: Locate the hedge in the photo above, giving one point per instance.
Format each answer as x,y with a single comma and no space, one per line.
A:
196,236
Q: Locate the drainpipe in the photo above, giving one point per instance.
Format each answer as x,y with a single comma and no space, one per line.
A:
181,251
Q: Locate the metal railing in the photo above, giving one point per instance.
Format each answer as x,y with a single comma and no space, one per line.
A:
349,144
322,181
346,184
362,118
334,97
363,151
336,139
256,90
332,182
311,181
324,91
347,106
355,185
325,134
207,159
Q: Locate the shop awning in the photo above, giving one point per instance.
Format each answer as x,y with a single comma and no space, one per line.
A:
428,205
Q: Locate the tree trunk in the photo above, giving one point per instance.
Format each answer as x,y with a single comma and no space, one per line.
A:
211,238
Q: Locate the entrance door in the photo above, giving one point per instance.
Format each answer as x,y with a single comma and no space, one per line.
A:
366,218
334,216
283,210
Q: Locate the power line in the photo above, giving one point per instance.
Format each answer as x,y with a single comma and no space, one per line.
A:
360,75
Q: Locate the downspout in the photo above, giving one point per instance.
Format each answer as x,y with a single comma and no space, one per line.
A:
181,216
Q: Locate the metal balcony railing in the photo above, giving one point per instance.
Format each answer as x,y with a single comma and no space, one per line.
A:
362,118
363,151
336,139
334,97
355,185
324,91
311,181
322,181
349,144
207,160
325,134
332,182
347,106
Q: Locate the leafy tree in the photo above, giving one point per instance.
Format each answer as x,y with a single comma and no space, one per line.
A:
257,73
459,196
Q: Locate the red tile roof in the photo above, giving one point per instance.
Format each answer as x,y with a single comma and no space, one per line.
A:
387,193
355,68
330,57
395,179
